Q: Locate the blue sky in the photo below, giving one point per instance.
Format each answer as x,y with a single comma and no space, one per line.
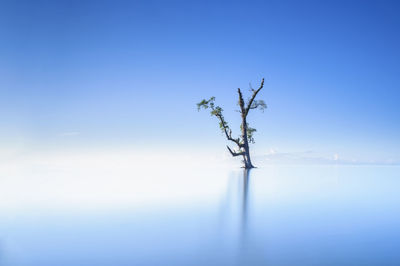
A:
128,74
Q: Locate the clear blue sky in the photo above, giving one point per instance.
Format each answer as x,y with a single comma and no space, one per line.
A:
129,73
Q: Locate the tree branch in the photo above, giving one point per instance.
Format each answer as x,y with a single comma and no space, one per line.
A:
253,97
258,104
229,134
241,102
234,154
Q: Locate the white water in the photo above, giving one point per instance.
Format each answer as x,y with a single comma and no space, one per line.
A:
84,210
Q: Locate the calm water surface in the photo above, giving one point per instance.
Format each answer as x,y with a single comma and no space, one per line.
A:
274,215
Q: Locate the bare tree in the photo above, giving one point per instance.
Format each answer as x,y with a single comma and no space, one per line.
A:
247,132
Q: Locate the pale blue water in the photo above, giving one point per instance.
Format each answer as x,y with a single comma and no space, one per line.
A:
277,215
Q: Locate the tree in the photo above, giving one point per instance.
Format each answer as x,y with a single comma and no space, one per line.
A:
247,132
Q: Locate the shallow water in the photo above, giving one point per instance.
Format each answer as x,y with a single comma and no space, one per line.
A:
274,215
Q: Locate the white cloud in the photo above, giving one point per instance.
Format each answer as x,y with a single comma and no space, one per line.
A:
272,151
335,157
311,157
70,134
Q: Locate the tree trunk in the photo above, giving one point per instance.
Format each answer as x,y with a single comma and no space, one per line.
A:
244,111
246,156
